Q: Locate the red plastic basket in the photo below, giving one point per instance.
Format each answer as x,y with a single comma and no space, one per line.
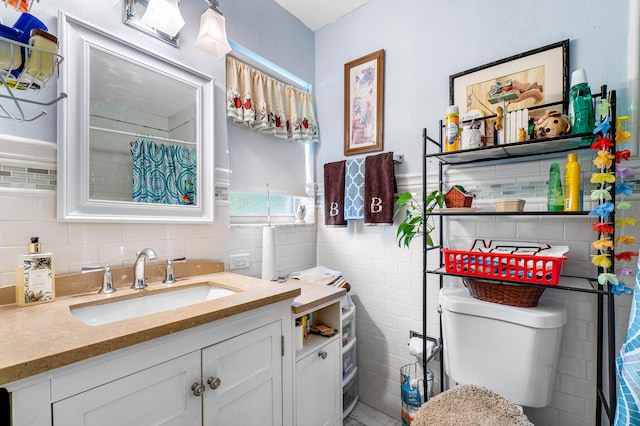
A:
506,267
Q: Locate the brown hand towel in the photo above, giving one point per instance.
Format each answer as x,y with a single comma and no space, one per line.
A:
334,194
379,189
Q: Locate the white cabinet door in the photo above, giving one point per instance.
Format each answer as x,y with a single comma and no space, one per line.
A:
318,387
160,395
246,372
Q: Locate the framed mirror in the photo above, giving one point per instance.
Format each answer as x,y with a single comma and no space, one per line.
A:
135,135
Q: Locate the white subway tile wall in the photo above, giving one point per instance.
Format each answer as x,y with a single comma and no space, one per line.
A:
386,280
387,287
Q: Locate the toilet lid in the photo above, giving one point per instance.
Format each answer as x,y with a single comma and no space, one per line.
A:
545,315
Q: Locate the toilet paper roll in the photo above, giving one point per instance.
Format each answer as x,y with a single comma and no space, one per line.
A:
298,337
269,262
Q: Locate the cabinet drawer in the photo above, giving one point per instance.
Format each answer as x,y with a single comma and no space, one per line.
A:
349,358
350,393
348,326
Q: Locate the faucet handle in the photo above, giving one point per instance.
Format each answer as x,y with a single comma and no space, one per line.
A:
170,278
107,278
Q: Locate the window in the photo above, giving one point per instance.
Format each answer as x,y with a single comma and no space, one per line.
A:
263,161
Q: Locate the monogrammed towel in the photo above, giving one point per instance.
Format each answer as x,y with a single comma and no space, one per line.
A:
334,194
379,189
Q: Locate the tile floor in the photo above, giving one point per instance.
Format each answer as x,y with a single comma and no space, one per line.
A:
364,415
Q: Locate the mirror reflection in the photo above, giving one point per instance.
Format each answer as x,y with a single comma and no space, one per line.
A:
142,140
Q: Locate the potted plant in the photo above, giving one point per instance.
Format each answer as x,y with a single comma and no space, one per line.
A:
412,224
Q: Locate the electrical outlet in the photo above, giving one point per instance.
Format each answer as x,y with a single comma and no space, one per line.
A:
239,261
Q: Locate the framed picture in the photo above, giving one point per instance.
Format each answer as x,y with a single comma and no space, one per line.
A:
535,78
364,104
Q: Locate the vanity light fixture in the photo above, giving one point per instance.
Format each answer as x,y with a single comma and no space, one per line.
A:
213,35
158,18
163,15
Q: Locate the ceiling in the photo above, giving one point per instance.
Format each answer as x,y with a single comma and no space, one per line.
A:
315,14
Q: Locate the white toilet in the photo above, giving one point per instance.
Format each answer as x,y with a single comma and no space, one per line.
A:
509,350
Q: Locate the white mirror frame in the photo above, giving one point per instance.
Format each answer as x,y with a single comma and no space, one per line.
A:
74,204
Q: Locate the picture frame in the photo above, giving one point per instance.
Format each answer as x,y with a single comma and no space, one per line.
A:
364,104
534,79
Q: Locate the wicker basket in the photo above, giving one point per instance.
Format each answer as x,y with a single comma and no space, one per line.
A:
512,295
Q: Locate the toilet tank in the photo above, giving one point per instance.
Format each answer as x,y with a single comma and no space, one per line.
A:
510,350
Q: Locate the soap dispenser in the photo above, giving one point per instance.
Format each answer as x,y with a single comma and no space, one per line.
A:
35,278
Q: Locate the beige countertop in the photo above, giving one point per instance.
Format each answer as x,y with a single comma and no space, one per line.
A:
42,337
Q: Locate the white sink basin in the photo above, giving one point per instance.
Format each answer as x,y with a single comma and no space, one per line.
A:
145,305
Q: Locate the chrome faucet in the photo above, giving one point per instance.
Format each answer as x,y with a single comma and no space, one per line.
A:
143,255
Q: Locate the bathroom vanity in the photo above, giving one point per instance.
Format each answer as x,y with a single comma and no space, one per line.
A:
225,361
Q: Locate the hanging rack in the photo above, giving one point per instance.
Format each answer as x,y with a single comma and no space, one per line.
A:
138,135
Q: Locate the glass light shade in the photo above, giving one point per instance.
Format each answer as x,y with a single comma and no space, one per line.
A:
163,15
213,35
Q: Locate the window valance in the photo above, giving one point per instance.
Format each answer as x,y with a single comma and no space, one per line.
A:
266,105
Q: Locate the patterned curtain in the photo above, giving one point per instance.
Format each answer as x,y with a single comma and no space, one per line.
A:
163,174
267,105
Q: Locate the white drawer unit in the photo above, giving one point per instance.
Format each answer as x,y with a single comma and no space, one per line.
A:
349,361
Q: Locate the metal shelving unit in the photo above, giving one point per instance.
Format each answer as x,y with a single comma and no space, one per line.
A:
531,150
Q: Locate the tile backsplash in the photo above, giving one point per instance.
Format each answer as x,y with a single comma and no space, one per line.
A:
27,177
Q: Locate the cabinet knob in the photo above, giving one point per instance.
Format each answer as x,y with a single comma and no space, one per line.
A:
198,389
322,354
214,382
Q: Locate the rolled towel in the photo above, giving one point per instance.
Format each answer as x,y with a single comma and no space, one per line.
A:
379,189
334,194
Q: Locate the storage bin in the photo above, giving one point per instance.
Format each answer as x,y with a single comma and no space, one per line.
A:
350,393
349,359
412,390
348,330
507,267
509,205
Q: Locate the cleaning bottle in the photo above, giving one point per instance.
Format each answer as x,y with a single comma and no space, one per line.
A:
555,201
581,113
451,129
572,190
35,280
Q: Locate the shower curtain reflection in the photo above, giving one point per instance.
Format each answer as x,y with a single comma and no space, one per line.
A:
163,174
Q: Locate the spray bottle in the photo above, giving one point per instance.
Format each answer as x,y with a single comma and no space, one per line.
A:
451,129
581,114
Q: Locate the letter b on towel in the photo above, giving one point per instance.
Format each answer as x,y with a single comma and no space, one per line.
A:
333,209
376,205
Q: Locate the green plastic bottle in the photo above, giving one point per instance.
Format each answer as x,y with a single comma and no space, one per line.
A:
555,200
581,114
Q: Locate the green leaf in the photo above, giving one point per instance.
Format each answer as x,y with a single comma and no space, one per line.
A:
412,224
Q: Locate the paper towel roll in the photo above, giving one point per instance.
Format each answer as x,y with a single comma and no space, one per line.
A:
269,261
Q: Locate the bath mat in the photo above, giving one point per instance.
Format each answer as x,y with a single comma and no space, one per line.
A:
469,405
